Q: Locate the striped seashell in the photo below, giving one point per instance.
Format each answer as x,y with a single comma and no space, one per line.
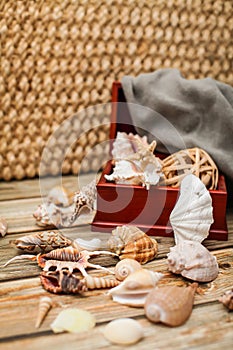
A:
99,282
171,305
45,304
41,242
62,281
125,267
130,242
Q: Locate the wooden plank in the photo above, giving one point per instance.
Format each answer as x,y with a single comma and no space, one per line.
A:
19,296
200,332
32,188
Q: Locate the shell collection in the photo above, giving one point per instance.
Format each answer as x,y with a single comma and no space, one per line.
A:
171,305
227,299
134,161
131,242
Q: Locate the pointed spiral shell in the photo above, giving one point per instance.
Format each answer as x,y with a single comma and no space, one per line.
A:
125,267
99,282
45,305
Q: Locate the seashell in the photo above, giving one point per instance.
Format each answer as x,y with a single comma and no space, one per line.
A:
84,200
193,213
62,281
131,242
192,260
171,305
3,227
67,258
41,242
48,214
134,289
125,267
61,196
123,331
90,245
99,282
126,172
122,146
73,320
227,299
45,305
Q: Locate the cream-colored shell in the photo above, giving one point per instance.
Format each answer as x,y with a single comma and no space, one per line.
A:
45,305
3,227
93,244
171,305
193,213
61,196
192,260
125,267
133,290
92,282
123,331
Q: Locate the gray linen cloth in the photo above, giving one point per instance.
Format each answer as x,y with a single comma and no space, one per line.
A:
183,113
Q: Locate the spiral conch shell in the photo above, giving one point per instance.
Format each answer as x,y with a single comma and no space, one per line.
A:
193,213
192,260
171,305
134,289
125,267
45,305
131,242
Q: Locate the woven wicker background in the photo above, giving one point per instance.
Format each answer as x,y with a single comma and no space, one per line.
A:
61,56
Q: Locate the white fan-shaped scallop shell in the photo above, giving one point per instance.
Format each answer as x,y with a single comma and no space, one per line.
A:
134,289
193,213
192,260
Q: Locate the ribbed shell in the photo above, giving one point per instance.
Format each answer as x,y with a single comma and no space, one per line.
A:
64,254
193,213
192,260
62,282
171,305
42,242
45,305
131,242
99,282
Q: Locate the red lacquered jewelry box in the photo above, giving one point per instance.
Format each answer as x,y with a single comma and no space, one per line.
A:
134,205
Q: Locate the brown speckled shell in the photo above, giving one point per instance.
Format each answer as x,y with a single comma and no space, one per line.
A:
131,242
171,305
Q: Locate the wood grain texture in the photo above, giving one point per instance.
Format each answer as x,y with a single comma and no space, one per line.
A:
209,327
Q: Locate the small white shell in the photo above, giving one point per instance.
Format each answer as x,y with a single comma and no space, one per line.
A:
123,331
193,213
125,267
82,244
73,320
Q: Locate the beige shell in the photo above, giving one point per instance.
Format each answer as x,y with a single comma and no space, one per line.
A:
3,227
227,299
61,196
48,214
41,242
131,242
193,213
171,305
192,260
125,267
134,289
123,331
45,305
90,245
92,282
84,200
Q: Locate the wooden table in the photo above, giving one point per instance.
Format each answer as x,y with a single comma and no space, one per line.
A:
209,327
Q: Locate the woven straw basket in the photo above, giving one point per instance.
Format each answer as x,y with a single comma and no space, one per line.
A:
60,56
